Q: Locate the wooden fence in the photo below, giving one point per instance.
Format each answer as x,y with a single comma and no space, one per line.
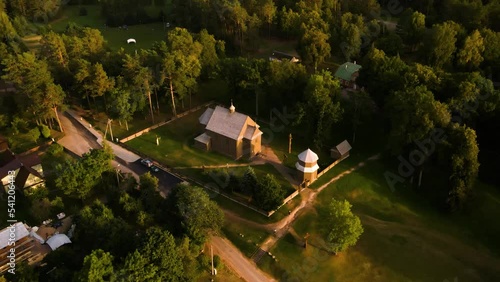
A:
137,134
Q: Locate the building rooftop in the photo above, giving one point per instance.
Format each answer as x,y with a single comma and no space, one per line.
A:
230,124
343,147
308,156
346,70
20,231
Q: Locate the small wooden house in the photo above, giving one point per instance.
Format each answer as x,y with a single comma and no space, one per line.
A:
347,73
341,151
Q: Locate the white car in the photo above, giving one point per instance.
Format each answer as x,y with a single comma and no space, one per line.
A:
147,162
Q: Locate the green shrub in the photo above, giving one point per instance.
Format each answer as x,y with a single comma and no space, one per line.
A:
217,261
45,131
54,149
34,134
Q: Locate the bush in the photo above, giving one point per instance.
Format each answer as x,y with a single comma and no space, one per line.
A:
217,261
83,11
34,134
45,131
57,205
55,149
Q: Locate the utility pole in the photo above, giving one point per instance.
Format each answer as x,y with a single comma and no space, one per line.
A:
212,255
157,140
117,170
110,129
305,238
290,143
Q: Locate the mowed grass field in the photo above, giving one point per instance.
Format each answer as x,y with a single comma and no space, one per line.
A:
404,239
176,144
144,34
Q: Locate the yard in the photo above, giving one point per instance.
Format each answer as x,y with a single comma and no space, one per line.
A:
176,140
404,239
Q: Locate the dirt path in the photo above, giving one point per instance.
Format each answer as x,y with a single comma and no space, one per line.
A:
308,196
231,216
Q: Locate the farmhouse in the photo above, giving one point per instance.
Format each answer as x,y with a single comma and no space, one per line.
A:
347,74
229,132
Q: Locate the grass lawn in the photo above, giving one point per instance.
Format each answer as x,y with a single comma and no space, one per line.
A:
145,34
268,45
405,239
252,236
176,141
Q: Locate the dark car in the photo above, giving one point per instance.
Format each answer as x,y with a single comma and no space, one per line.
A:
154,168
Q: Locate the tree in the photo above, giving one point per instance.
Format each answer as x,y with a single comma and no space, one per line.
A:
34,81
269,194
414,113
285,82
149,196
342,227
462,164
360,106
249,181
100,81
412,26
34,134
313,46
212,49
76,179
471,55
440,44
199,214
268,12
140,80
97,266
322,95
121,106
160,250
491,46
54,50
351,29
7,31
180,63
137,268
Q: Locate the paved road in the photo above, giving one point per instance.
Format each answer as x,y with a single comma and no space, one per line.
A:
245,268
79,139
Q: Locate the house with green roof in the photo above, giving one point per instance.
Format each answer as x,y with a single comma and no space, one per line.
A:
347,73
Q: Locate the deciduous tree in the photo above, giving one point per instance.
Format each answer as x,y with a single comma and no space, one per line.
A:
471,55
313,46
97,266
342,227
199,214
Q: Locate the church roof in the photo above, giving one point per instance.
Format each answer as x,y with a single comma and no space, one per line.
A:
308,156
233,125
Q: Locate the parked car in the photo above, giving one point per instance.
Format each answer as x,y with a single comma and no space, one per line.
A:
154,168
147,162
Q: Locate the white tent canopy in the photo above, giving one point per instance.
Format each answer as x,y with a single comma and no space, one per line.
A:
58,240
131,40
